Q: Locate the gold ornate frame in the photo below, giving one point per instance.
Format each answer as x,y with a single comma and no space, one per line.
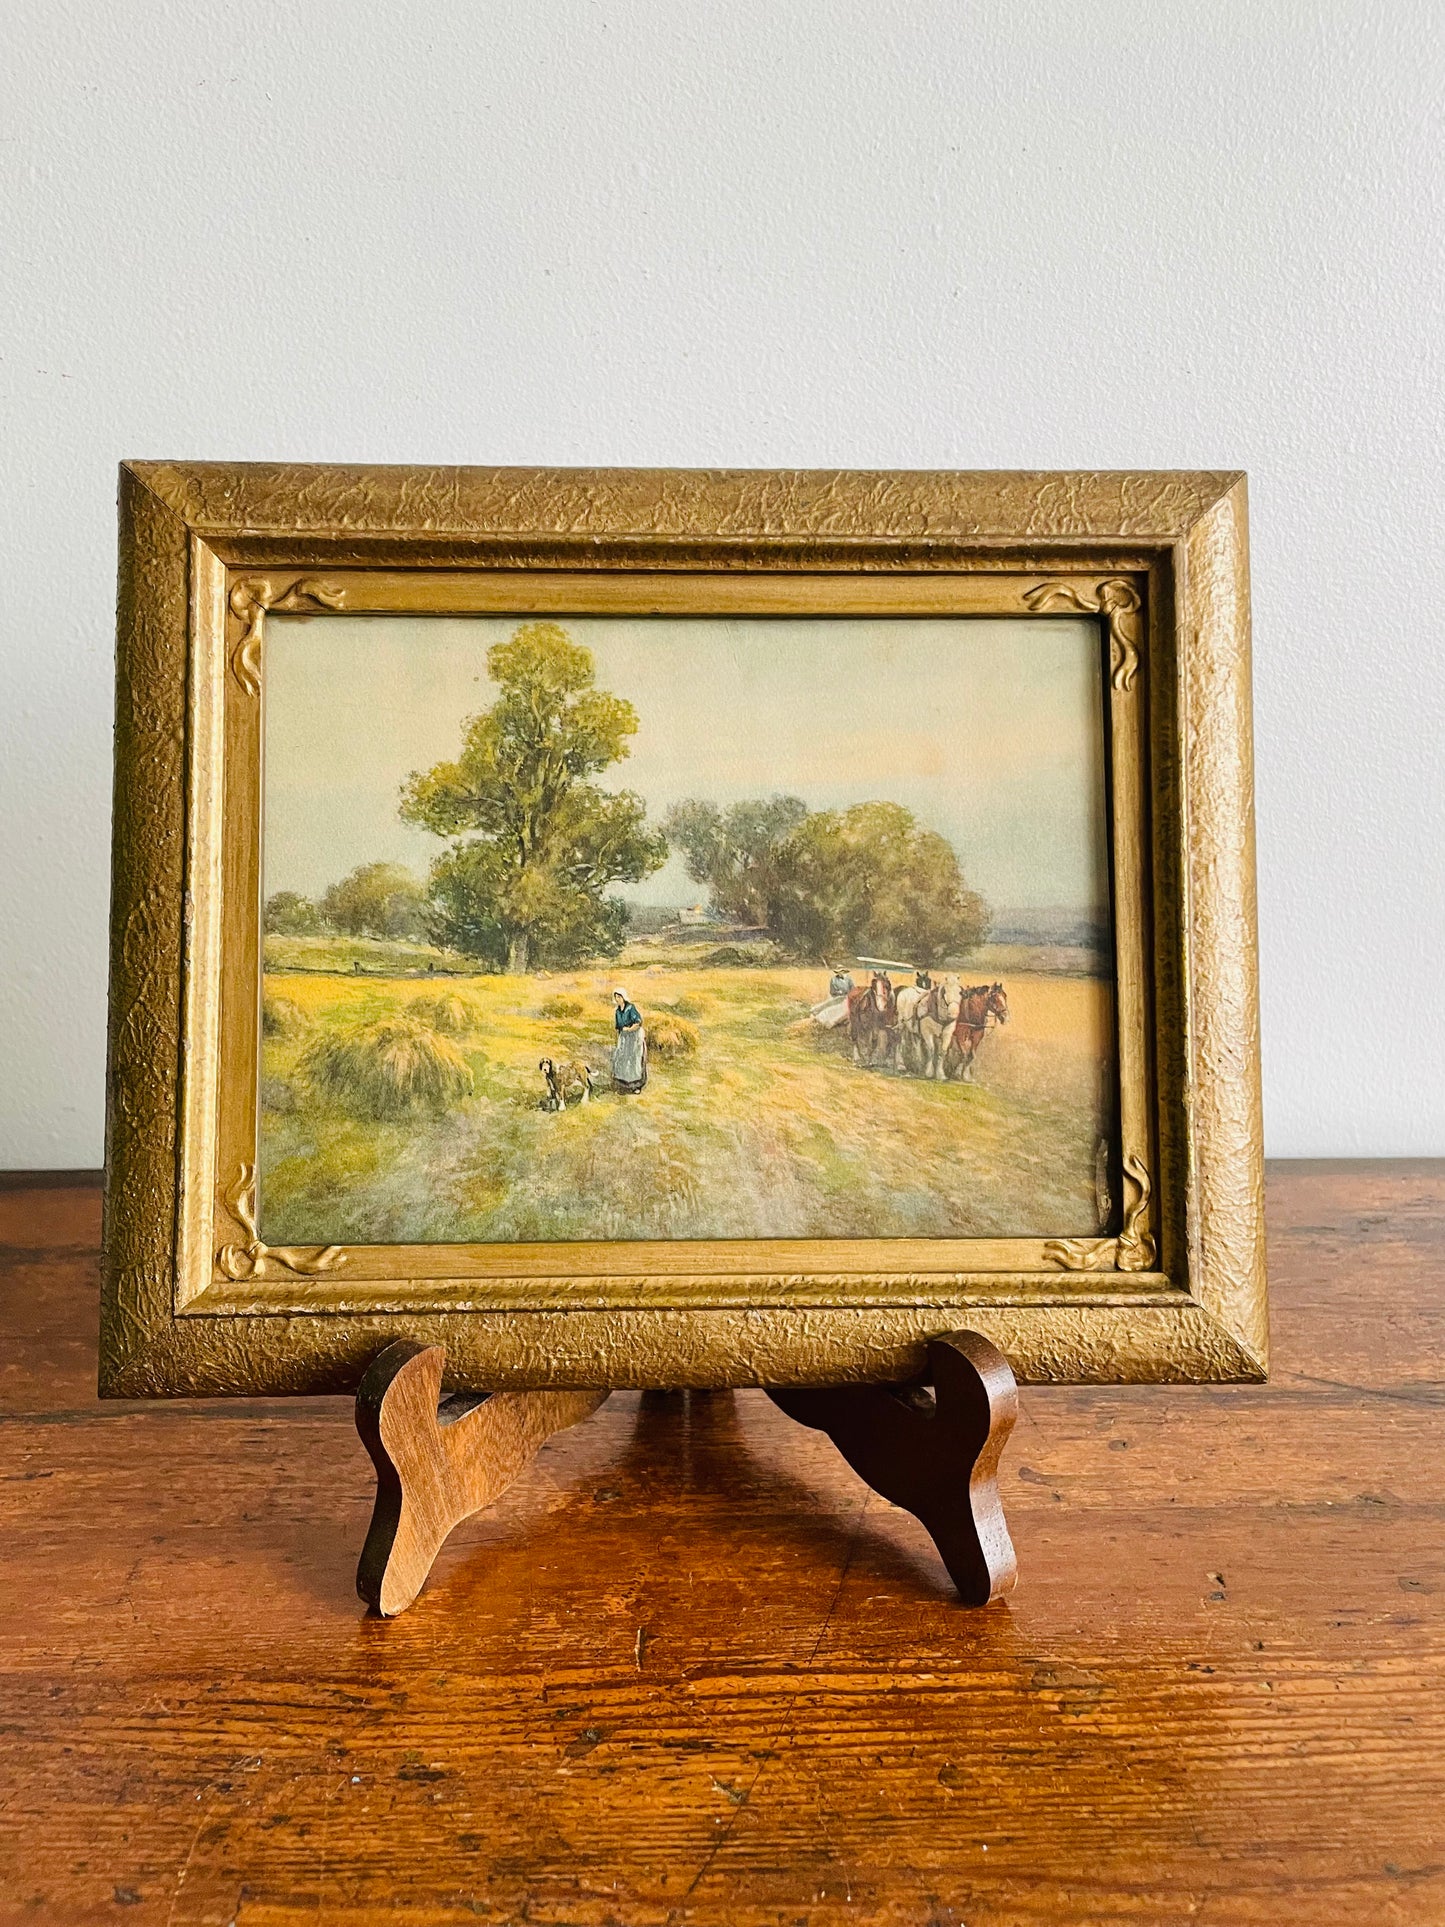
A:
194,1302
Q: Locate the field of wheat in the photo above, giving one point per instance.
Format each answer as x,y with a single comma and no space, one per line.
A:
753,1124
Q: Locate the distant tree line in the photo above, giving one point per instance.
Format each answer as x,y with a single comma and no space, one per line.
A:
533,845
376,900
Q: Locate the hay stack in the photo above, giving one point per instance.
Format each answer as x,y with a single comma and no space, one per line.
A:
388,1070
671,1038
281,1017
450,1013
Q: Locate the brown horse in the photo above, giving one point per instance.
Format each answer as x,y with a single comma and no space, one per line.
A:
980,1001
873,1021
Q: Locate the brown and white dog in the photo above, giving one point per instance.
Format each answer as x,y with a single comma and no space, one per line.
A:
565,1081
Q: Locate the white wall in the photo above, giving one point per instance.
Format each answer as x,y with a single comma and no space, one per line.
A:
890,233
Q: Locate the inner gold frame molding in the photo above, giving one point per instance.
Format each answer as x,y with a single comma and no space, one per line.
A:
195,1303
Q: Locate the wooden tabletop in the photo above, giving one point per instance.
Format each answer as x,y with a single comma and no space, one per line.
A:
689,1671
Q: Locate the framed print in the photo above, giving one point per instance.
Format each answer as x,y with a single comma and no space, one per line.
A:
665,928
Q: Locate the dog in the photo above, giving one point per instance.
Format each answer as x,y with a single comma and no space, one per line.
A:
565,1081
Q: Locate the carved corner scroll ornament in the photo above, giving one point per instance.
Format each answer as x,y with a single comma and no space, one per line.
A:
255,1259
1116,599
252,597
1134,1248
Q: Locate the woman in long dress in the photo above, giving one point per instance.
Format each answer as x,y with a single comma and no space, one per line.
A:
629,1055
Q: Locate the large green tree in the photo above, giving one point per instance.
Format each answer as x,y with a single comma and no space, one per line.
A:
533,843
868,880
736,851
872,881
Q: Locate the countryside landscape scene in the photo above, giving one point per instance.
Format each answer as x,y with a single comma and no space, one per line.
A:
615,928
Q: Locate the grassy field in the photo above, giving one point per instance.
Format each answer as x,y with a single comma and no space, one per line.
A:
768,1130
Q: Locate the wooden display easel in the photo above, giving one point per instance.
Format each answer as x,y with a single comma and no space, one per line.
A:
933,1452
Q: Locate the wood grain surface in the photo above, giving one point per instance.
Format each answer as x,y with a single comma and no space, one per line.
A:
687,1670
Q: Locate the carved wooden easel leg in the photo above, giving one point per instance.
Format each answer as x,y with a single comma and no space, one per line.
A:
439,1460
936,1456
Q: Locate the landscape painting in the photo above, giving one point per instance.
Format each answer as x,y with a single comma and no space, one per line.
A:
601,927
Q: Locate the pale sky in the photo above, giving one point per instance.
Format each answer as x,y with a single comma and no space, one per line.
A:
989,729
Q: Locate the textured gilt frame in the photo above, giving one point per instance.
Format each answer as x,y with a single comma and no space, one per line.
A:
194,1302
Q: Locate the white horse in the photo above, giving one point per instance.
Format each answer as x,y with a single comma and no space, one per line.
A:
925,1023
909,1042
